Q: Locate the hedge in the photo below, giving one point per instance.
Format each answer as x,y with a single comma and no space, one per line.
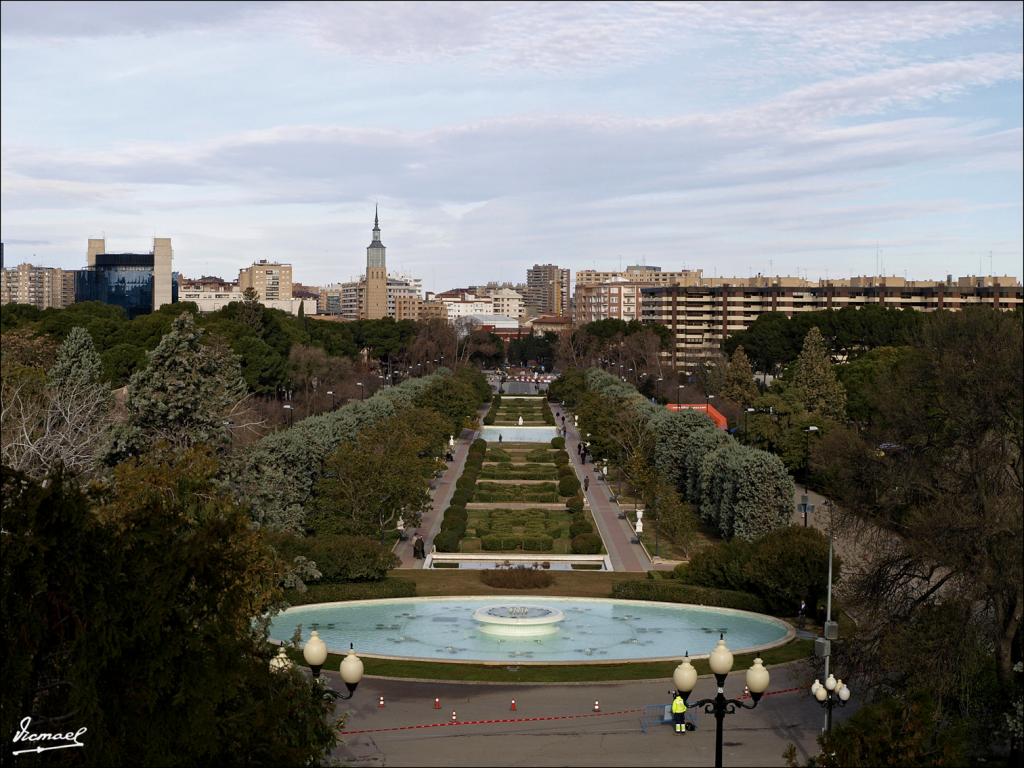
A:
369,590
586,544
668,592
580,525
568,486
558,442
575,504
497,542
448,541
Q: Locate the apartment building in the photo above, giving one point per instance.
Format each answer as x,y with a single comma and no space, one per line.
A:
701,317
42,287
616,299
547,289
271,281
639,274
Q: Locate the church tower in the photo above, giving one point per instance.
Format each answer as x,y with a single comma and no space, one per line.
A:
376,295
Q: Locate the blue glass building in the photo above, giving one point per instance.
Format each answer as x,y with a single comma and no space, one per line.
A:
138,282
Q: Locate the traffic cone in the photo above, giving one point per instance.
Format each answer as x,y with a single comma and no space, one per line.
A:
597,705
437,703
380,704
513,707
454,718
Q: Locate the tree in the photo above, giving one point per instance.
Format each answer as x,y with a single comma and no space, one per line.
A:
251,312
62,421
367,484
934,484
814,380
739,380
156,591
186,393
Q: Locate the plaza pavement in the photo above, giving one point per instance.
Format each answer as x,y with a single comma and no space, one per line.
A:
554,724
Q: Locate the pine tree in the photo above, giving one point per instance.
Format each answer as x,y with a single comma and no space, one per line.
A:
77,362
739,380
815,381
186,391
252,310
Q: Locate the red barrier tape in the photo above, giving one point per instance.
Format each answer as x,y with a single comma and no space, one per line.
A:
530,719
492,722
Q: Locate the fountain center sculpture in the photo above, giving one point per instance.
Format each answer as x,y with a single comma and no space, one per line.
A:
518,620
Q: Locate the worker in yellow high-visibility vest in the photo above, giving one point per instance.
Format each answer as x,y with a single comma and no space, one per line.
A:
679,713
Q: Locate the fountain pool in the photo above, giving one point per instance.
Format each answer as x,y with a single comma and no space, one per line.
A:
511,434
538,630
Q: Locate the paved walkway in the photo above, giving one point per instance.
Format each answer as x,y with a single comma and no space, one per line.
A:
617,534
441,495
555,724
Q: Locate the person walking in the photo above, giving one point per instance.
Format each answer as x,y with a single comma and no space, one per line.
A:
586,483
801,614
679,713
418,547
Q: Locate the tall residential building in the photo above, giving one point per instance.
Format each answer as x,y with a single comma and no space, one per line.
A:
271,281
507,302
616,299
375,304
547,289
139,282
639,274
702,317
42,287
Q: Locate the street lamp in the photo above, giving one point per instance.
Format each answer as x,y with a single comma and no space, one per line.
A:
315,654
288,407
657,386
685,680
362,389
833,693
331,393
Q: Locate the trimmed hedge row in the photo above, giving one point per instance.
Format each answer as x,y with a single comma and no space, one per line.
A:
520,472
669,592
367,590
586,544
497,542
453,524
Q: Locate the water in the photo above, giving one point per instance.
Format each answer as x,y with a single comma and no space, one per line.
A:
593,629
518,434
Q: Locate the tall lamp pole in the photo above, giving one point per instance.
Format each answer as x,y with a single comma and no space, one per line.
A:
834,693
685,680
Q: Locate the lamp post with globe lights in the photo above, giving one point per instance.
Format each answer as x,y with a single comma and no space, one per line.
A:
834,693
720,660
351,670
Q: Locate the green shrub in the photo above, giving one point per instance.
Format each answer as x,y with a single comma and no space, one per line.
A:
462,497
542,455
447,541
367,590
519,472
578,527
575,504
498,542
782,568
671,592
488,419
558,442
568,486
517,578
338,557
586,544
454,519
497,454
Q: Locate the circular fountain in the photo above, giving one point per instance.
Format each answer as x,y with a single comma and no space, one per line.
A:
518,620
538,630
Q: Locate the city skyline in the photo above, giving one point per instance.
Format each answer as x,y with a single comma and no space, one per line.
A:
819,140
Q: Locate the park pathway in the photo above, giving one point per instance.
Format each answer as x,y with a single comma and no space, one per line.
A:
616,532
441,495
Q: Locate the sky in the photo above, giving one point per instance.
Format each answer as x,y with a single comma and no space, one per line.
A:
812,139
